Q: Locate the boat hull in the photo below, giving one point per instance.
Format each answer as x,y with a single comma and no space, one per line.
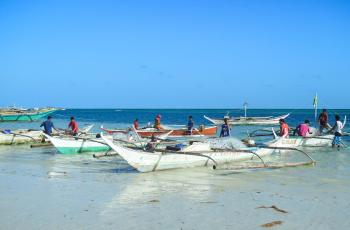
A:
210,131
249,120
293,142
20,137
148,162
148,132
75,146
25,116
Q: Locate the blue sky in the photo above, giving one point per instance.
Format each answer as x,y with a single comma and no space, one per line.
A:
174,54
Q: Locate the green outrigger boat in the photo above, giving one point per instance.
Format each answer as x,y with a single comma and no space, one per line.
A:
14,114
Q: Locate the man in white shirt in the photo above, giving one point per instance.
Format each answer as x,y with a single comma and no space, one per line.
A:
337,129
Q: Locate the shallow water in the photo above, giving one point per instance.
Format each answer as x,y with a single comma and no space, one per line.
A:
41,189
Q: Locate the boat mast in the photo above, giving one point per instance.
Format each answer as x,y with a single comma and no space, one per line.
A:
245,109
316,107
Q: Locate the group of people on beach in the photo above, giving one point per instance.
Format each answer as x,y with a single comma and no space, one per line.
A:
49,126
304,130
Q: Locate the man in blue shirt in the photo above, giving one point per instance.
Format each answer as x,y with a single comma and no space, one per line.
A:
225,129
190,125
48,126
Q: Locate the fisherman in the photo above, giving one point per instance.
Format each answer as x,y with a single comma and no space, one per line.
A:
190,125
284,129
73,125
136,123
303,129
225,129
323,121
48,126
152,144
157,122
337,129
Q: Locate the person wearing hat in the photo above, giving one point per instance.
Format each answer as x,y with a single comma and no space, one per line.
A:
48,126
284,128
73,125
225,129
157,124
303,129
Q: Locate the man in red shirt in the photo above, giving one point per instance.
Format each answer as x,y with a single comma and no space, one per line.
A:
73,125
323,121
136,123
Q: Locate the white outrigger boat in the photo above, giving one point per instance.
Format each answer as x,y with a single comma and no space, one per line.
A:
92,143
315,139
248,120
73,145
20,136
296,141
195,155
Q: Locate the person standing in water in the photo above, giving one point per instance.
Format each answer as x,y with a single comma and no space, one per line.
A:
73,125
157,124
284,129
303,129
323,121
48,126
337,129
190,125
136,124
225,129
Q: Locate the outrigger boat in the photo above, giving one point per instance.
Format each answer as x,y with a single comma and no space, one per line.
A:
196,155
20,136
73,145
92,143
248,120
30,136
296,141
183,132
16,114
315,139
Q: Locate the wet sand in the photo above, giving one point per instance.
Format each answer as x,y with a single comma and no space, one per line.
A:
40,189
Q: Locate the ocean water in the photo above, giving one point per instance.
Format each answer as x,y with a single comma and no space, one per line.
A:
41,189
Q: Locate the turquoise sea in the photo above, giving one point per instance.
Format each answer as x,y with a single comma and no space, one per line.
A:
41,189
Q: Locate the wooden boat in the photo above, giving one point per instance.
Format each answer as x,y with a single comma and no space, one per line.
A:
148,132
195,155
21,136
296,141
87,142
248,120
73,145
14,114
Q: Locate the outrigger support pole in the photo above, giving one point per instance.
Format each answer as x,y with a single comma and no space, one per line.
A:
276,166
